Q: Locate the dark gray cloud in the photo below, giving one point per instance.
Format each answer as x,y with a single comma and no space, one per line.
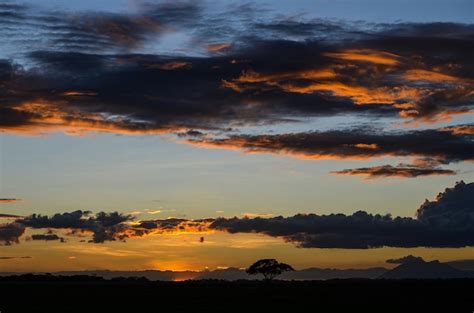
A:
104,226
401,170
14,257
11,233
264,78
446,222
306,29
452,208
437,146
9,200
47,237
94,31
406,259
9,216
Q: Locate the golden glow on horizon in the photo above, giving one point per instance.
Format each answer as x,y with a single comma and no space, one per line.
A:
186,253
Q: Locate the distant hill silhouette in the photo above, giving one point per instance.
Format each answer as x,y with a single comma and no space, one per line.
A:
464,265
412,269
230,274
330,273
420,269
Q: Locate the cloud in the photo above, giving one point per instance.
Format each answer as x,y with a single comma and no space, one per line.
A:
218,47
440,145
252,215
47,237
173,65
104,226
108,226
9,216
11,233
369,56
401,171
452,208
169,226
95,31
14,257
423,76
406,259
9,200
445,222
461,129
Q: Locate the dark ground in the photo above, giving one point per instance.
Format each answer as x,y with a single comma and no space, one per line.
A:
87,294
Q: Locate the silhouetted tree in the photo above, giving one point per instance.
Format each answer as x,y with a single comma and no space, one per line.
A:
269,268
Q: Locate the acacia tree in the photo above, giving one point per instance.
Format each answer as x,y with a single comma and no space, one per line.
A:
269,268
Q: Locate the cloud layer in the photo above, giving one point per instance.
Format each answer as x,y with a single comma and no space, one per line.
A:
88,72
281,70
428,148
447,221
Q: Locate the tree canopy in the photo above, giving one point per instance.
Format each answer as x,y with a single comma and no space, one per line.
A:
269,268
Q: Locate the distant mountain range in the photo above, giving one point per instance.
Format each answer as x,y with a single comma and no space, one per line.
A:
228,274
415,269
425,270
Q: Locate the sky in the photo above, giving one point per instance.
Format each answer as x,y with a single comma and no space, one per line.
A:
211,134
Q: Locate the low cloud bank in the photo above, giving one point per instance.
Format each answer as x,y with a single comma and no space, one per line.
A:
448,221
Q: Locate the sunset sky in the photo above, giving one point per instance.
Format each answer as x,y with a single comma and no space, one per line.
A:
214,134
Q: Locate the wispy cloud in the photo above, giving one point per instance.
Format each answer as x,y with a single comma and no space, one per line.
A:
14,257
400,171
10,200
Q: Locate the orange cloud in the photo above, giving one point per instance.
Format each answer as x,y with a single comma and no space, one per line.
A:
172,66
383,80
170,226
426,75
434,118
10,200
323,80
253,215
360,95
73,93
47,117
371,146
218,47
366,55
460,129
254,77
